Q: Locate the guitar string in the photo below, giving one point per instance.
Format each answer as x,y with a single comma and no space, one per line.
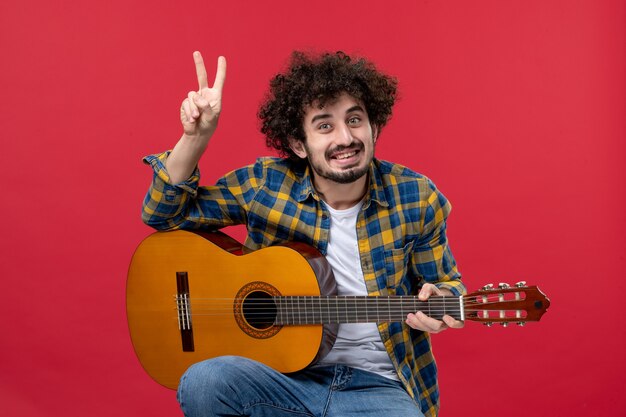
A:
353,311
336,302
287,313
286,309
369,298
343,304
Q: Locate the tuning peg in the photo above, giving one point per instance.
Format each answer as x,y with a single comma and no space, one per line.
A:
503,285
488,287
504,324
521,323
488,323
520,284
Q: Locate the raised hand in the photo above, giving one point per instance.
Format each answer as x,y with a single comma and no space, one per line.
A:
199,114
200,111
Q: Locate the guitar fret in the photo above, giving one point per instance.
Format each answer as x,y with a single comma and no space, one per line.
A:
298,303
319,299
327,310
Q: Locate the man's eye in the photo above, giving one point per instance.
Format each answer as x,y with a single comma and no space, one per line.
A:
354,120
324,126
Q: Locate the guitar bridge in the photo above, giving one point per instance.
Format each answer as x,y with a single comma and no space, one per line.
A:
183,307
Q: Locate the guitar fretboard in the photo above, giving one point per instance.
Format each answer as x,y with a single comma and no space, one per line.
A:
299,310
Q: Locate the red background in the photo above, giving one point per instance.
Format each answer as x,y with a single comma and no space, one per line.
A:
514,108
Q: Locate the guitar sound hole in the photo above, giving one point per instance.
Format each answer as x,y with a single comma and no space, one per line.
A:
259,310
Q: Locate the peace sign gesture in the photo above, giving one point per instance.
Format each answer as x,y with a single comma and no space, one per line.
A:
200,111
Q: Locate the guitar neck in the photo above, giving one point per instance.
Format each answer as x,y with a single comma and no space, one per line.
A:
299,310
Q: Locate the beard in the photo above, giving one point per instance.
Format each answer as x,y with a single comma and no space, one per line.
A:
346,175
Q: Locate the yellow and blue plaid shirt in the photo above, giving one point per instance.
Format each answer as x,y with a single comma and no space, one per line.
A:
400,229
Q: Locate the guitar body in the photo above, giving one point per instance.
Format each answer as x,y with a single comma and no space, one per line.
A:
214,268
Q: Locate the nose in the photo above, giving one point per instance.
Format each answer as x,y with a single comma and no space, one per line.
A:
344,136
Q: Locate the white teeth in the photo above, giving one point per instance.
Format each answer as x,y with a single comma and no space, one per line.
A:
345,155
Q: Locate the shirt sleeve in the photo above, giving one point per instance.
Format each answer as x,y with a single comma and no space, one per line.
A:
432,256
187,205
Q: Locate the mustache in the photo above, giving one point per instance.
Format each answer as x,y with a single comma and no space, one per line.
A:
354,146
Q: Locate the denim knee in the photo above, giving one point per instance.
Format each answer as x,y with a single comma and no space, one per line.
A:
211,371
203,382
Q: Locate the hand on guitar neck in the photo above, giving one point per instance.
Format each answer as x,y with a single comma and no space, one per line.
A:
421,321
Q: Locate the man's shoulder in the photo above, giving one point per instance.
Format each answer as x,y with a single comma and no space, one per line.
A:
276,165
400,173
269,170
274,162
402,185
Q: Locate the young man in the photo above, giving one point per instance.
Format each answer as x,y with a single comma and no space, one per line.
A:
380,225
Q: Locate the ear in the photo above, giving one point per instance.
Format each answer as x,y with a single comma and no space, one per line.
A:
297,146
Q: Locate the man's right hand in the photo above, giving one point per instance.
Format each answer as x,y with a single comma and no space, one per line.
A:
200,111
199,114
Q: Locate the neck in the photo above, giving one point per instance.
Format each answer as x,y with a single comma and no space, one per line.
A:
341,196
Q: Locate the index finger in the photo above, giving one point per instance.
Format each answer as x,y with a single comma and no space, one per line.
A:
220,75
427,291
200,70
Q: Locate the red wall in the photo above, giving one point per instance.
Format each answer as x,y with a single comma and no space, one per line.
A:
514,108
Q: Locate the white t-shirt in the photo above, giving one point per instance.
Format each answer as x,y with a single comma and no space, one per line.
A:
358,344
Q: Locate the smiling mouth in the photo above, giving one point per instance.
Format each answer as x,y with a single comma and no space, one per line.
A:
344,155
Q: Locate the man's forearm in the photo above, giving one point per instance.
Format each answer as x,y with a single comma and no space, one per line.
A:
184,158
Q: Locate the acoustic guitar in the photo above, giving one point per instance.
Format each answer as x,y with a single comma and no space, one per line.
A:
191,296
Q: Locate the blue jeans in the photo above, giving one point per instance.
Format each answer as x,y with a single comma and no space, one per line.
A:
235,386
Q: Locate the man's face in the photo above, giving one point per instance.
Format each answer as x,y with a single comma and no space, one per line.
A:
339,140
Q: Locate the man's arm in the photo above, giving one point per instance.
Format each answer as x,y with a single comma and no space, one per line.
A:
433,261
199,114
174,199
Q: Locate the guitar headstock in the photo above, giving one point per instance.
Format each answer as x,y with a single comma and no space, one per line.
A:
506,304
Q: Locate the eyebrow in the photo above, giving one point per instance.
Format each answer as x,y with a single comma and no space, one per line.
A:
327,115
319,116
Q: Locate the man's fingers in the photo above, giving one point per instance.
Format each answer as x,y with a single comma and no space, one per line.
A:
191,98
452,323
186,109
220,74
200,71
428,290
421,321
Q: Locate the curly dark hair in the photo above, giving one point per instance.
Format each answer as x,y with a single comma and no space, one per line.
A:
321,78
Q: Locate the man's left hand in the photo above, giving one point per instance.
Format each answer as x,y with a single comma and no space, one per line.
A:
421,321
